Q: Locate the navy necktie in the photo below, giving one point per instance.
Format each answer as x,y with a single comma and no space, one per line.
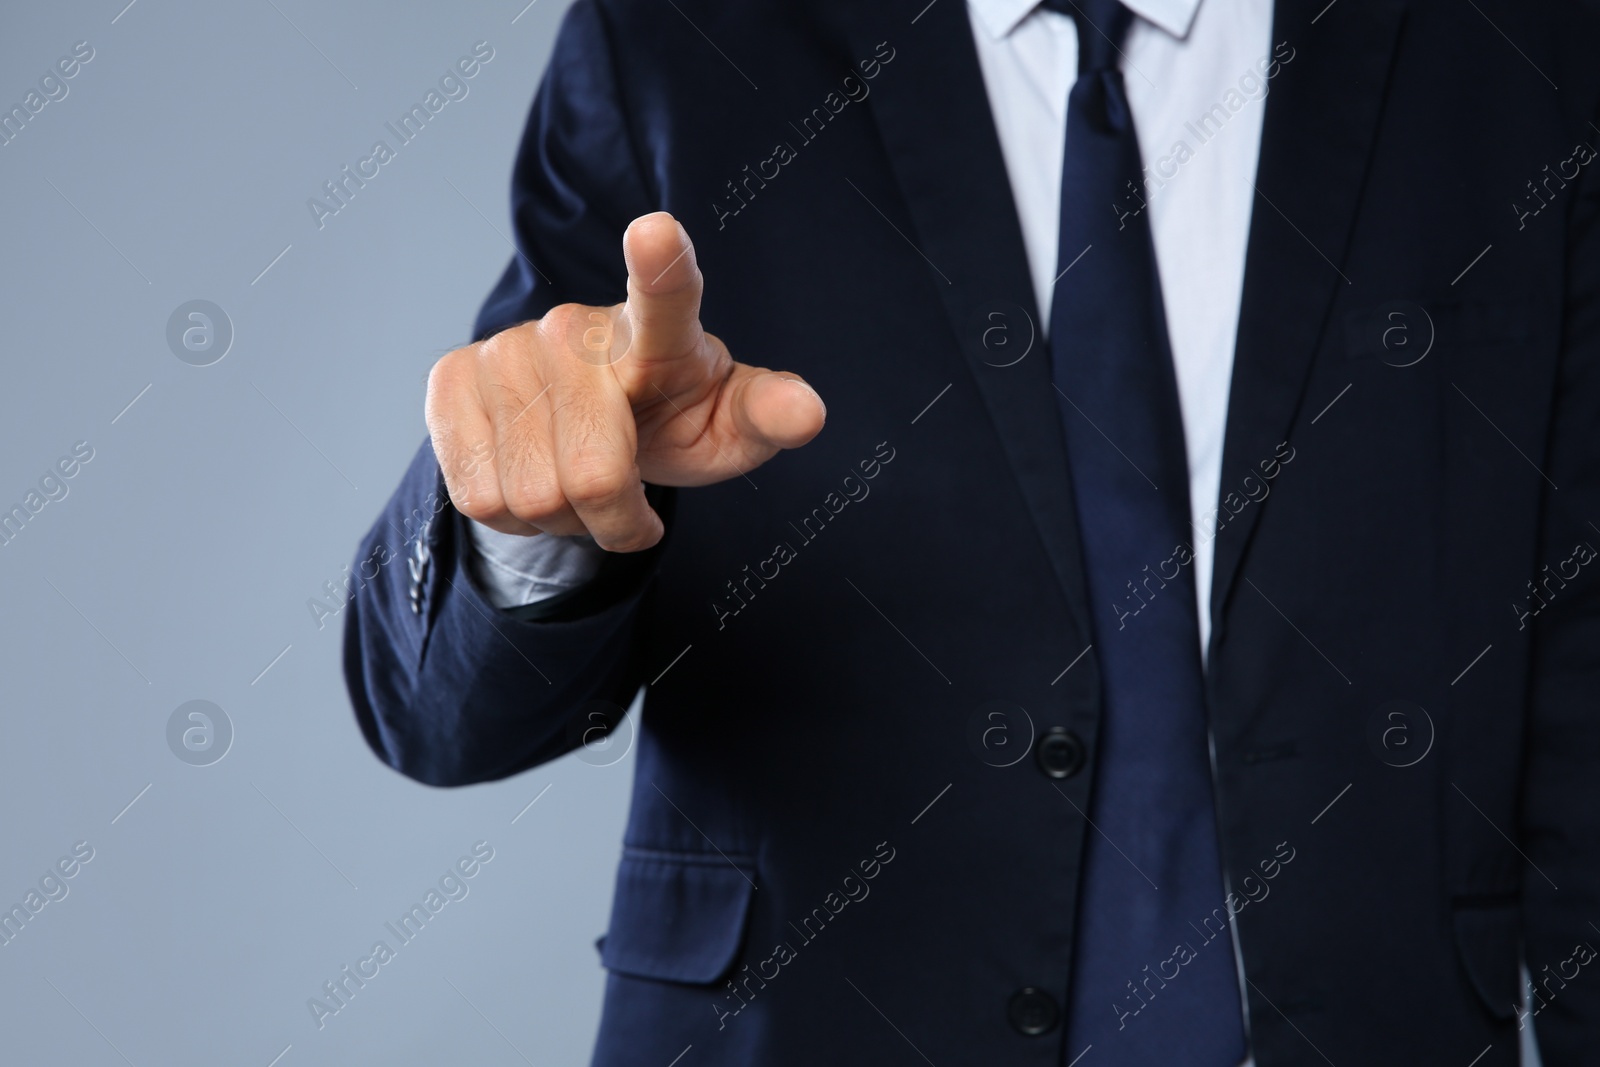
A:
1154,980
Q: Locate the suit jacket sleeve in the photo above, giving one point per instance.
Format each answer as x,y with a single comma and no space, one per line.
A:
1561,798
447,689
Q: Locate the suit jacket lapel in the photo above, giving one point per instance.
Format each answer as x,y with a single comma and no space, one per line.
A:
932,114
1322,115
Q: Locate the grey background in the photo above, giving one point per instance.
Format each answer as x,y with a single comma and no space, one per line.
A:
179,565
180,562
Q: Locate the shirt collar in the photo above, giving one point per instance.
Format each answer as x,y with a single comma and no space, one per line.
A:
1000,17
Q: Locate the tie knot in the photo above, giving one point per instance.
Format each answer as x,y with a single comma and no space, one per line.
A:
1102,27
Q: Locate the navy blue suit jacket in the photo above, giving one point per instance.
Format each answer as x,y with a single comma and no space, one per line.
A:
841,839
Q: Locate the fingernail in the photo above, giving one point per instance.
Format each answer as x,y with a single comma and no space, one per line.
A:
807,386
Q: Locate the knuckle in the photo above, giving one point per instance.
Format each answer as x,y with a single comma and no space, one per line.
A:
468,475
446,376
499,347
480,507
583,332
505,357
595,484
634,539
533,500
562,318
468,463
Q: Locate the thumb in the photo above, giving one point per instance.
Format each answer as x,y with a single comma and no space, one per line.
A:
771,410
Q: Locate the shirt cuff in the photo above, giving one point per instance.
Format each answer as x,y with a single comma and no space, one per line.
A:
514,571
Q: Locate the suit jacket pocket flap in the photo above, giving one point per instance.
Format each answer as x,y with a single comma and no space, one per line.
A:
676,918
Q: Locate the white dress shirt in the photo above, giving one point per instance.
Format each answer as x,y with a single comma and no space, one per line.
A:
1197,77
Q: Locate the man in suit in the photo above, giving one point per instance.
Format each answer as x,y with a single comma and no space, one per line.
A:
1181,645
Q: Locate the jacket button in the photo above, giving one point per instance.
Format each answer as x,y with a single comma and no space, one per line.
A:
1060,753
1033,1012
417,565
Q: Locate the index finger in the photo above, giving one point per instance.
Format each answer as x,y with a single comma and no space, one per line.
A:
664,287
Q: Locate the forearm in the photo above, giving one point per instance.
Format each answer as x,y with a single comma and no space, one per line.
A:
450,690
